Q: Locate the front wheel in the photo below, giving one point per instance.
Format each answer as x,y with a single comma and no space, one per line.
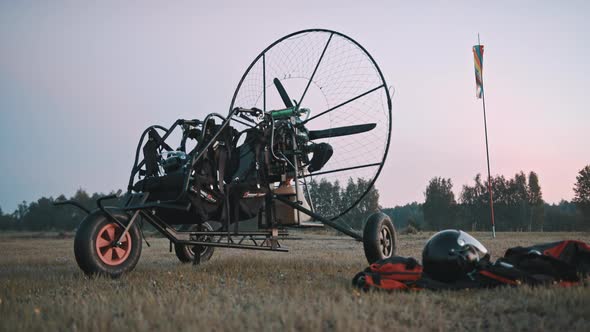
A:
95,249
379,237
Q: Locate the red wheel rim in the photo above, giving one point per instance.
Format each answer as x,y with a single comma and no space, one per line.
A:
106,252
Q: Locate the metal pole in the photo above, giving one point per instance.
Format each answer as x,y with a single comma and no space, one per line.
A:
485,125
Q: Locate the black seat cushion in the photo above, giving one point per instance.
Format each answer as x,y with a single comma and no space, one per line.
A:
169,183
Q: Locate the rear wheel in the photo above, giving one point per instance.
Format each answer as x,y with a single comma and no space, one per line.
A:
379,237
95,248
186,253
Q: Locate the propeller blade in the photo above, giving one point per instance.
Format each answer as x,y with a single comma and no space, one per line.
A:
284,96
341,131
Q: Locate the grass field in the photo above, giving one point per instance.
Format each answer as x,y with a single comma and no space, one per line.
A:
309,288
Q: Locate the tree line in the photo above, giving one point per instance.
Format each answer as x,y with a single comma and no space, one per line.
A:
330,199
518,206
43,216
327,198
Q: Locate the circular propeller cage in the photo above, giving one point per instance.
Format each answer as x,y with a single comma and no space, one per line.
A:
340,83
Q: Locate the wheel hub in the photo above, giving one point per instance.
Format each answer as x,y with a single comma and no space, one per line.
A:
385,241
109,253
205,227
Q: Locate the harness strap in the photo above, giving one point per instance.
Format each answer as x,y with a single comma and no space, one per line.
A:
221,161
499,278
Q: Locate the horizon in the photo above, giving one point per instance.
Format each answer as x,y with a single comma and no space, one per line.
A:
79,82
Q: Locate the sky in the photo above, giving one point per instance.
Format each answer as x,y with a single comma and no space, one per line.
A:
80,81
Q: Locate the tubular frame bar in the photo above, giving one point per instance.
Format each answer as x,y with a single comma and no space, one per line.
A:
73,203
328,222
343,103
342,169
184,237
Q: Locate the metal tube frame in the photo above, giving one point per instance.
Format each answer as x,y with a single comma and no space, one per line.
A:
269,240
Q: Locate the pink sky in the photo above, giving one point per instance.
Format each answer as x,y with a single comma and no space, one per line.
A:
78,84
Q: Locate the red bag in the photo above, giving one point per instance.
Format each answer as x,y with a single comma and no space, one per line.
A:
563,263
390,274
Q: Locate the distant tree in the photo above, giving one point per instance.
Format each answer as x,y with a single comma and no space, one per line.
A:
534,193
582,193
336,202
506,207
411,222
520,211
474,204
7,222
323,196
350,193
369,203
582,186
564,216
518,204
3,221
439,205
41,215
329,199
21,210
537,215
89,202
403,215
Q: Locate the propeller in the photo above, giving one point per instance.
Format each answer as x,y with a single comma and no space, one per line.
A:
283,93
341,131
332,132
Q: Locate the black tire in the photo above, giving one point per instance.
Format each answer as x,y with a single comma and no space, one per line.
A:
186,253
92,259
379,237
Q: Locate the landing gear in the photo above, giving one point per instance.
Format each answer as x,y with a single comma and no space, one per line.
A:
97,247
186,253
379,237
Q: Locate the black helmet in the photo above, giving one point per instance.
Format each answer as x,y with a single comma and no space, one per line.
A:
450,255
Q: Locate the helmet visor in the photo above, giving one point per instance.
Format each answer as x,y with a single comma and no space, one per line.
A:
465,239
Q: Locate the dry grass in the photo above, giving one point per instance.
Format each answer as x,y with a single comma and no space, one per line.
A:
308,288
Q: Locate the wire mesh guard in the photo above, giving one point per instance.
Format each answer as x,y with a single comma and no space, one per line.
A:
346,88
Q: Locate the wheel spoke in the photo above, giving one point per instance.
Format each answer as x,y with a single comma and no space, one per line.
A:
119,251
104,235
110,233
101,242
108,252
386,242
314,71
344,103
103,250
340,170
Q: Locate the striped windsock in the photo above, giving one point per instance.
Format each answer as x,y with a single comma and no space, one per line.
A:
478,59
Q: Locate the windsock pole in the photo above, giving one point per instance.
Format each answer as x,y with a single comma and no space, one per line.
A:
478,55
